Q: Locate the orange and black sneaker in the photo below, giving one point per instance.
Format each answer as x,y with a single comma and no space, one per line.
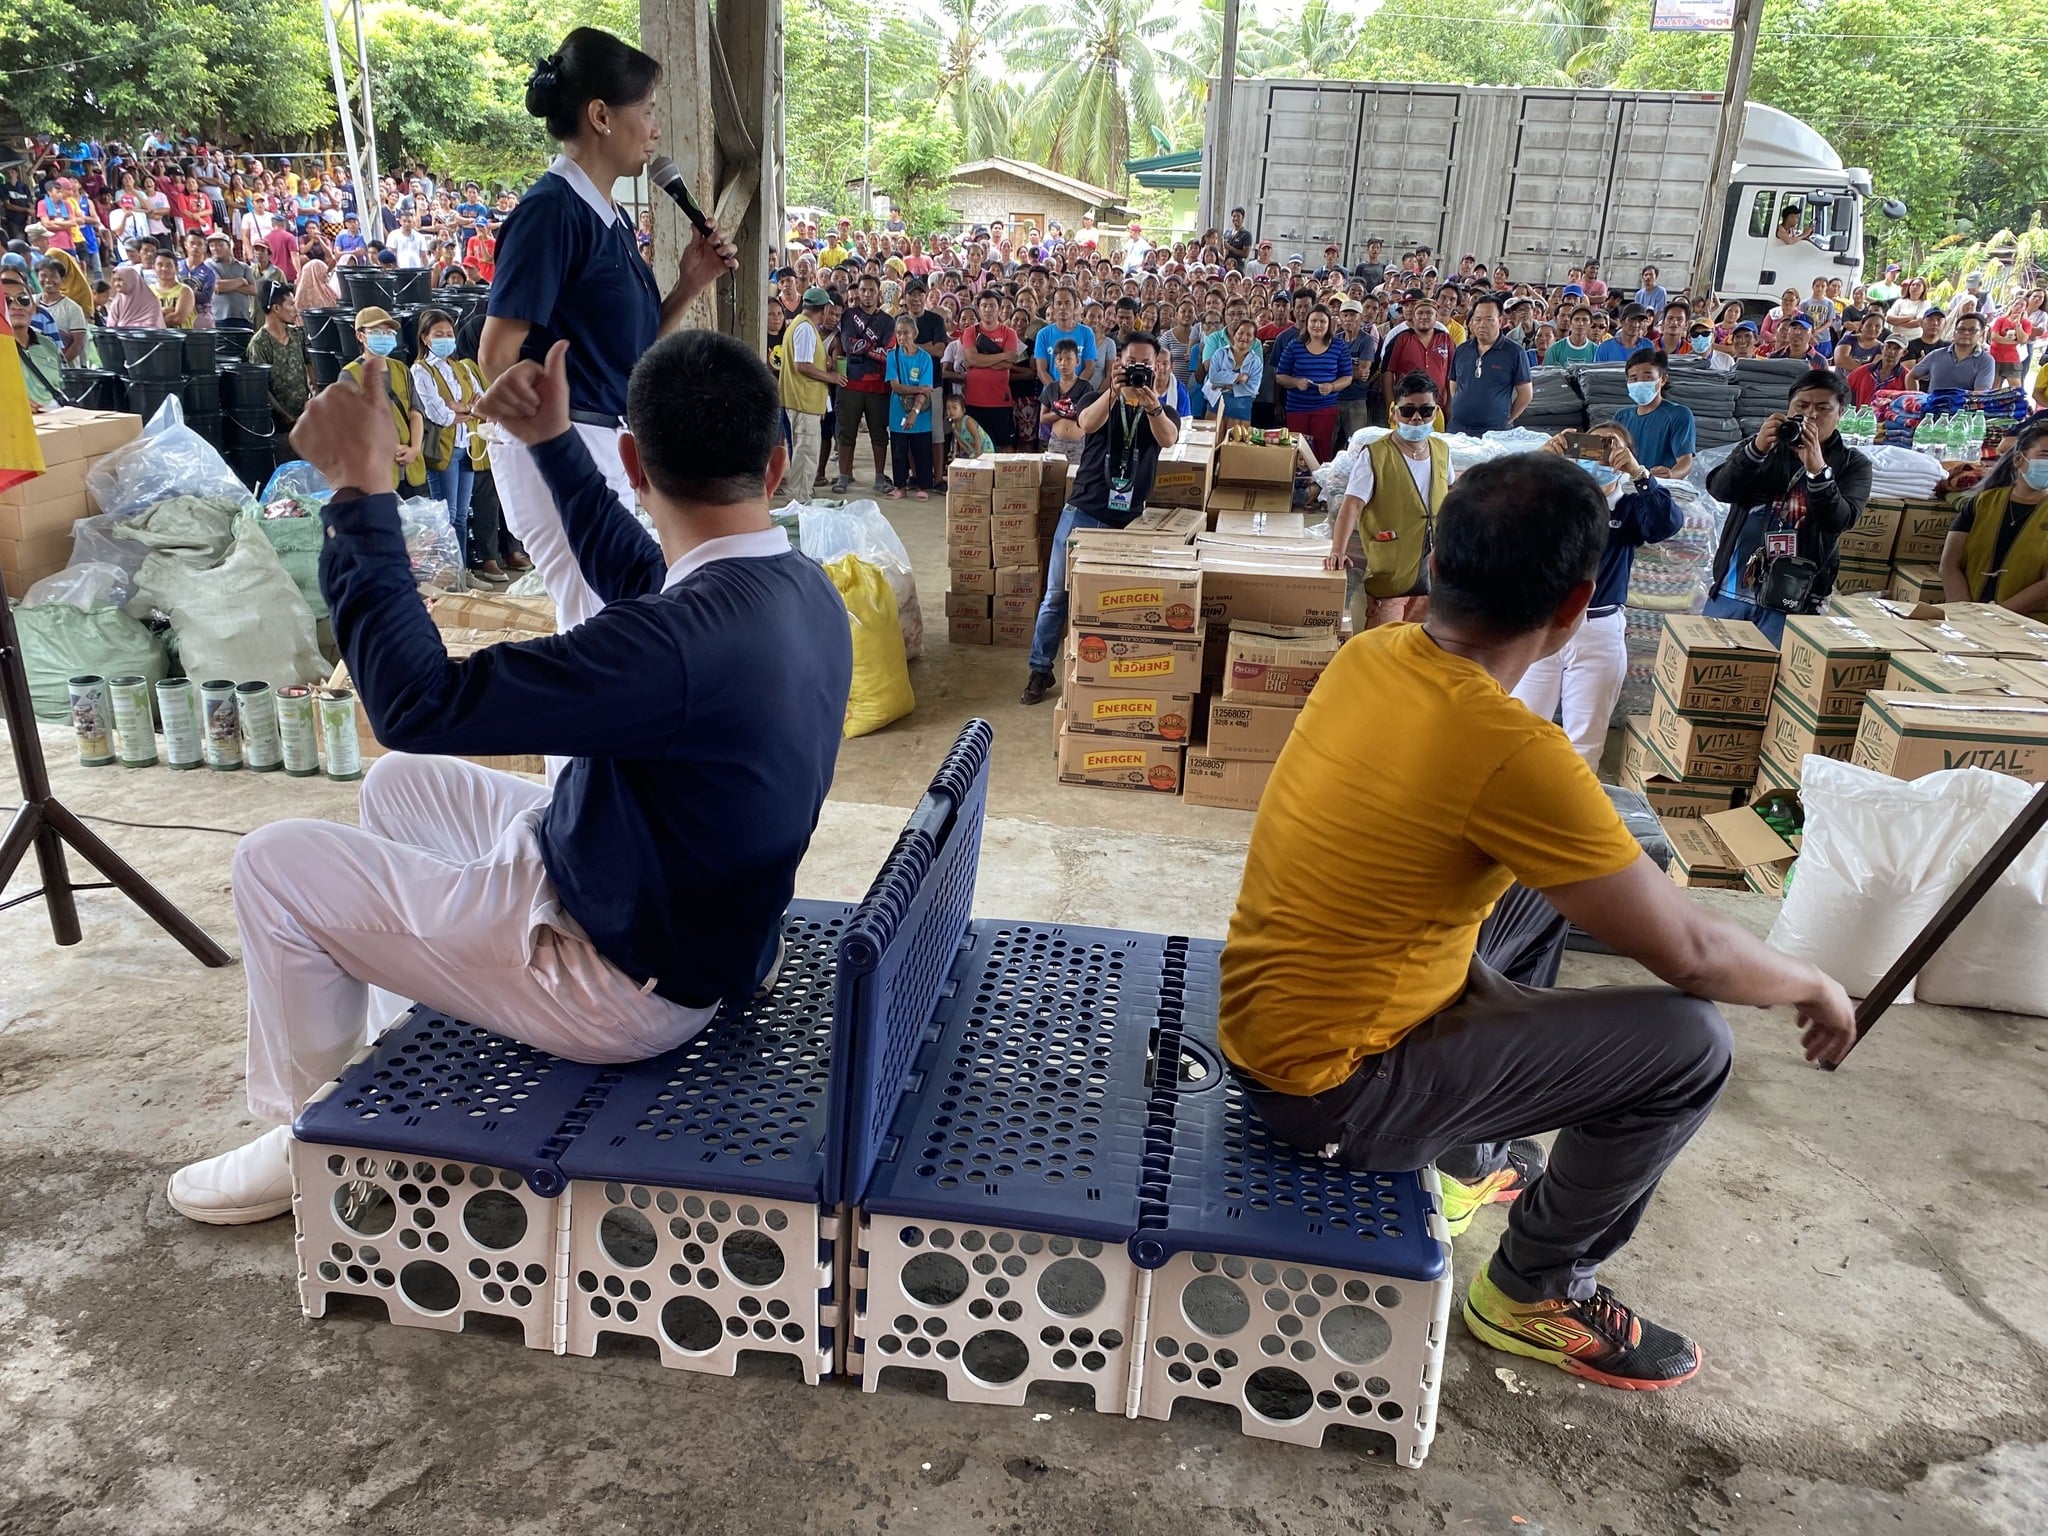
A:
1526,1159
1598,1338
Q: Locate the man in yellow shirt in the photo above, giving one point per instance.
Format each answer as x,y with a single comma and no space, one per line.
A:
1389,985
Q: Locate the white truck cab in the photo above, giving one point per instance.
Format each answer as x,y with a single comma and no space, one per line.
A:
1783,167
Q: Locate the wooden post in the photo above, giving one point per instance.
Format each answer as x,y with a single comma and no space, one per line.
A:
726,143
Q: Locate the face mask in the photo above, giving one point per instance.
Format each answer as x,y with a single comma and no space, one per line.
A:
1601,474
442,346
2036,473
1642,392
1413,431
383,343
1702,344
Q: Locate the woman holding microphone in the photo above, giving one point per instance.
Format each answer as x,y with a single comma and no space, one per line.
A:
568,268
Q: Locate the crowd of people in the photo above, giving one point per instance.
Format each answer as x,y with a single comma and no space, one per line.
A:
1274,339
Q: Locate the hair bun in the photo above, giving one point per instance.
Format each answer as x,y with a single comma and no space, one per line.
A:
542,85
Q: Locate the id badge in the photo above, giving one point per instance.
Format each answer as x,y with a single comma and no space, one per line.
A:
1119,495
1781,543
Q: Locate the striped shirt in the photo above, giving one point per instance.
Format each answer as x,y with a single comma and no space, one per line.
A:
1326,367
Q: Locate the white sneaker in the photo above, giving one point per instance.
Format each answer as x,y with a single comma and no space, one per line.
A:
251,1183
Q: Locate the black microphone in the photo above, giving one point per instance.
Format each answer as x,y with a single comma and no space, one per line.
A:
668,176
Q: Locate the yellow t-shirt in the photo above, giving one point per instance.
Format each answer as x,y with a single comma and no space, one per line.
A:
1412,793
833,256
1457,331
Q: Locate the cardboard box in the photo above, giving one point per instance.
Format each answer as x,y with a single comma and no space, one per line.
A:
1263,525
1828,663
1920,672
99,432
1012,634
1792,733
1125,546
1915,583
1016,501
1252,464
1022,525
970,477
1715,669
1019,581
969,525
1923,530
1910,734
1228,783
1668,795
1275,662
2013,638
1018,472
1699,859
1111,658
1855,576
981,580
969,631
38,523
969,557
1719,751
1015,606
460,642
1252,733
1869,540
1261,590
1014,551
1109,762
37,551
1152,713
1248,501
968,605
1134,595
1181,477
1864,607
489,610
1178,524
1753,847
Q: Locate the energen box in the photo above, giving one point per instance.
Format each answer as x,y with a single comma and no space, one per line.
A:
1105,658
1723,751
1110,762
1910,734
1715,669
1828,663
1154,714
1277,663
1107,595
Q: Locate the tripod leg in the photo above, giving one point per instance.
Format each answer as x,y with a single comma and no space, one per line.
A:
138,890
30,827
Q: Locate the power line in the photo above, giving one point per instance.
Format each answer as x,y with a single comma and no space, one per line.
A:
1780,37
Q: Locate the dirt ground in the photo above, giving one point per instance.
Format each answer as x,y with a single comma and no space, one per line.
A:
1860,1255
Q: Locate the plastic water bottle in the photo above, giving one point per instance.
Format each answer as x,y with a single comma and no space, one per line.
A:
1977,430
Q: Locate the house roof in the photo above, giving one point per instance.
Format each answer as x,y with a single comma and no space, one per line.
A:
1024,170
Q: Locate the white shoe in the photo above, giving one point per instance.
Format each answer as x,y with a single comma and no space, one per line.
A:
774,971
251,1183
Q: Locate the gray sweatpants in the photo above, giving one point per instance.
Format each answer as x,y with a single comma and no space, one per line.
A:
1625,1075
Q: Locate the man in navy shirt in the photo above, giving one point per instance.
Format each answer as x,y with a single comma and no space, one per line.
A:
1490,383
700,709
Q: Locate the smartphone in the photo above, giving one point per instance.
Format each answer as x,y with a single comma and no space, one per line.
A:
1596,446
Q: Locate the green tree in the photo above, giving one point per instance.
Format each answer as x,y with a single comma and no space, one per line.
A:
825,43
914,159
1313,42
973,32
1101,66
1581,36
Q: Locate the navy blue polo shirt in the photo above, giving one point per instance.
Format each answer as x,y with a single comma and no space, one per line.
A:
567,273
1483,385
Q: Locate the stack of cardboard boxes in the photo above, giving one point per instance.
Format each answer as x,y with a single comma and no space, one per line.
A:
36,516
1132,666
1269,670
1895,549
1710,696
1000,515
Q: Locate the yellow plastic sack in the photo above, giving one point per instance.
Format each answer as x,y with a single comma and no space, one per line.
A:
881,676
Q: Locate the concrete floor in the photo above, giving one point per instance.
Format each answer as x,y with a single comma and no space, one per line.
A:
1860,1256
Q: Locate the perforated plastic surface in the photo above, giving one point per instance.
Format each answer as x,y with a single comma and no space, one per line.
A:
1028,1107
435,1087
896,955
742,1108
1226,1185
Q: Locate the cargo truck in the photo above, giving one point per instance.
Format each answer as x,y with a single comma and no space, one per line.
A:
1538,180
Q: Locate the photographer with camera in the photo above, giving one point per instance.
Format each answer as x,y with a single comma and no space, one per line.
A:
1792,491
1123,429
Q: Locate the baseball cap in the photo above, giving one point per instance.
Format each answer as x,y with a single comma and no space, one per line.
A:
1802,320
1933,314
1294,259
1746,325
1574,291
1351,307
373,316
816,296
1333,246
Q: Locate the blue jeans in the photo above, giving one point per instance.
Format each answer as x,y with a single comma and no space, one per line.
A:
453,486
1052,613
1770,620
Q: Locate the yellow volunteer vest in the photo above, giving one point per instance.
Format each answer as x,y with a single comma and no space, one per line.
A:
2025,563
810,397
1393,565
398,387
440,446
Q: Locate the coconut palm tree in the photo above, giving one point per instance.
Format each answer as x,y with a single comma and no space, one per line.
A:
1313,42
1101,65
992,121
1580,34
971,39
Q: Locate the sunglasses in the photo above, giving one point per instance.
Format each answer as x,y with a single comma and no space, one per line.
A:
1415,412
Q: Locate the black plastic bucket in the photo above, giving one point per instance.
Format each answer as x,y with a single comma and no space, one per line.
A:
145,395
152,357
245,391
200,356
94,389
202,395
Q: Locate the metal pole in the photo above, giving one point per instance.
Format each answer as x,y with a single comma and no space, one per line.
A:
867,86
342,105
1749,17
1216,154
369,121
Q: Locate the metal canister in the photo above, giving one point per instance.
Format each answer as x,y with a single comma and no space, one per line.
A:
256,708
177,702
298,725
338,735
223,725
134,722
92,719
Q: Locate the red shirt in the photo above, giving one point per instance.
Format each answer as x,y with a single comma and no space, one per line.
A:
988,386
1412,353
1865,385
2007,334
283,246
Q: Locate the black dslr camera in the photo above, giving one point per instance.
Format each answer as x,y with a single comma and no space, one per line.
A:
1137,375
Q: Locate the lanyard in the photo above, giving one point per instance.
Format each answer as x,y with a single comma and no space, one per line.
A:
1123,417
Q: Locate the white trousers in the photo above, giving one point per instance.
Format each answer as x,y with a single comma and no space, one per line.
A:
1578,687
533,517
804,440
440,897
